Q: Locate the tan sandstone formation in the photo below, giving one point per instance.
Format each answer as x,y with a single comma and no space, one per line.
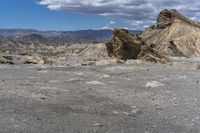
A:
174,35
125,45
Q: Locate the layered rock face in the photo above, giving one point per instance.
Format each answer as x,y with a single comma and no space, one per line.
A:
63,53
95,51
125,45
174,35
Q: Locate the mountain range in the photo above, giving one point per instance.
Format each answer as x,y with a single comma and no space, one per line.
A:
73,36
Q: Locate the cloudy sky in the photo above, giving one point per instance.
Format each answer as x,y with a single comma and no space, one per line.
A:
88,14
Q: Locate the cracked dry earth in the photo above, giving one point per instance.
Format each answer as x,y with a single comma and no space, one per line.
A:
120,98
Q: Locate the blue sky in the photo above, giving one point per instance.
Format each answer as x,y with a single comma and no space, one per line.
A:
89,14
27,14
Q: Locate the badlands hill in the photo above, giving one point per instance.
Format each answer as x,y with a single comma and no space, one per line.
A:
125,45
174,35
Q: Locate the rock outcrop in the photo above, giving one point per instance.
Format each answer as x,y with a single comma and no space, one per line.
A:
6,60
174,35
95,51
33,59
125,45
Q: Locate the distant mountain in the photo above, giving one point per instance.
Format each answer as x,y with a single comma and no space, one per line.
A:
88,35
23,32
75,36
30,40
16,32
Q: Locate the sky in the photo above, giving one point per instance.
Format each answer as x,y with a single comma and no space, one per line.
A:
89,14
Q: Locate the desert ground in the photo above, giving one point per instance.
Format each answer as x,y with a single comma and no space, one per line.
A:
130,97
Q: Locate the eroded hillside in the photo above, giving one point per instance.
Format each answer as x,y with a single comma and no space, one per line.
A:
174,35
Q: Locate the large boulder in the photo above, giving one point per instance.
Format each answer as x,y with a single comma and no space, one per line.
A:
125,45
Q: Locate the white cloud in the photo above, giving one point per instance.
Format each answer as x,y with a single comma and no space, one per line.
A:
135,22
105,28
112,22
136,12
109,25
145,26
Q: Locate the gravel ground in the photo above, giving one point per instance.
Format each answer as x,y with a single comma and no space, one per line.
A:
119,98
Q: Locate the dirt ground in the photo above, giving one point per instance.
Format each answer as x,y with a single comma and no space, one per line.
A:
120,98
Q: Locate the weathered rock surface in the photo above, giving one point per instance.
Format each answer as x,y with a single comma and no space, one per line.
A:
125,45
86,50
33,59
174,35
6,60
82,52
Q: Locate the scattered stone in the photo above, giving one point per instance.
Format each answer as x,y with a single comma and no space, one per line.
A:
102,62
43,71
154,84
128,114
88,63
134,62
159,108
104,76
174,117
95,83
42,98
115,112
53,81
136,111
155,126
98,124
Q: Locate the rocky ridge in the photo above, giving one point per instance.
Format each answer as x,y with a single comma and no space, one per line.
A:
174,35
125,45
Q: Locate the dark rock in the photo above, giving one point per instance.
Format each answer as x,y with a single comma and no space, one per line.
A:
125,45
